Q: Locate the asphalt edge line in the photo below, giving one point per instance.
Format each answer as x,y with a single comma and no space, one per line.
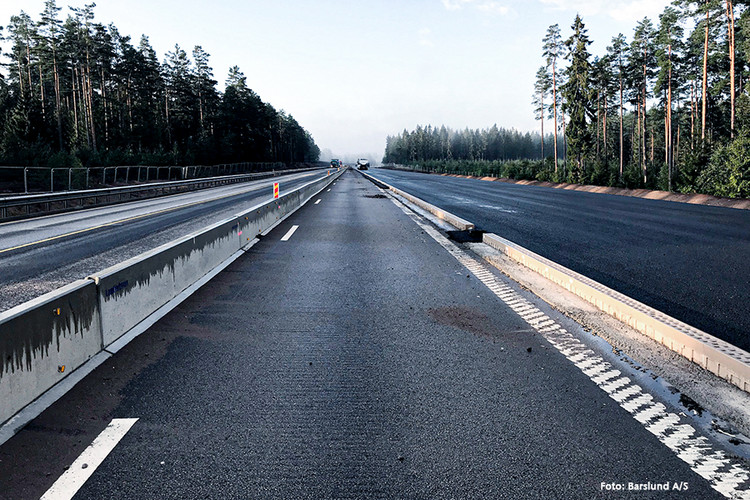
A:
83,467
726,474
717,356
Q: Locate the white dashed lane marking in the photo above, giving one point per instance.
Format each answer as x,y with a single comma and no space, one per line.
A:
289,233
317,202
92,457
726,475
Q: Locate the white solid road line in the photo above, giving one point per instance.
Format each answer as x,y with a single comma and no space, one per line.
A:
289,233
317,202
92,457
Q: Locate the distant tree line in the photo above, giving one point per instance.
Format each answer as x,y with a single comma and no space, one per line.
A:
77,92
433,143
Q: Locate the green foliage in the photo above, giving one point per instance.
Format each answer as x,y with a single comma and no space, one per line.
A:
80,93
433,143
728,171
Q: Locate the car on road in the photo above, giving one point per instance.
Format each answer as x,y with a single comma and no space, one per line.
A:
363,164
335,163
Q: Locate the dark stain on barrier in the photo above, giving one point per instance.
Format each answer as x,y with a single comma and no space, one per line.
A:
140,274
31,334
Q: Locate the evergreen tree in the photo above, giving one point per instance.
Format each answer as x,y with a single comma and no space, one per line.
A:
577,95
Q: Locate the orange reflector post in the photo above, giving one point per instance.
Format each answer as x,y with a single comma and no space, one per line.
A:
275,190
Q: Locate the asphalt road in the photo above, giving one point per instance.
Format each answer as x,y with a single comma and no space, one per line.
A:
689,261
356,359
41,254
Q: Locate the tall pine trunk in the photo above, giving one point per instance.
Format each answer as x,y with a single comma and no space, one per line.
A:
730,37
704,90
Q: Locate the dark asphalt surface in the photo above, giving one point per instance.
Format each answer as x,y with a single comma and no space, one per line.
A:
356,360
30,262
689,261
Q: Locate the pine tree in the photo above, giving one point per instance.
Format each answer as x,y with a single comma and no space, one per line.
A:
577,95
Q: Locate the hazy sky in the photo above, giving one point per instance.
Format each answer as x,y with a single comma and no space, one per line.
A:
353,71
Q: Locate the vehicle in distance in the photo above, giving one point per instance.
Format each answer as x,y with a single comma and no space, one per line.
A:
335,163
363,164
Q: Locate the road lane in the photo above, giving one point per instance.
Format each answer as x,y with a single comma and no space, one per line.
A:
41,254
689,261
357,359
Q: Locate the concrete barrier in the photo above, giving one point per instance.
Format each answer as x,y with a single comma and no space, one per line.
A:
132,290
453,220
715,355
43,340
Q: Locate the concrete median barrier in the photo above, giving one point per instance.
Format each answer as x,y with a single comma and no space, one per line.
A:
131,291
45,339
42,341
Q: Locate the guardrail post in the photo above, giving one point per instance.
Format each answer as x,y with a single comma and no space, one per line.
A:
87,178
52,180
127,174
70,179
25,181
104,176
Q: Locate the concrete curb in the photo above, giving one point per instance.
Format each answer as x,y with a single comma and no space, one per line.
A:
715,355
49,343
453,220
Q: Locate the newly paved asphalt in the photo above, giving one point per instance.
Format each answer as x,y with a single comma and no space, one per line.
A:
689,261
358,360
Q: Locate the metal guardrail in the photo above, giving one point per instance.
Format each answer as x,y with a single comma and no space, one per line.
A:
18,207
49,180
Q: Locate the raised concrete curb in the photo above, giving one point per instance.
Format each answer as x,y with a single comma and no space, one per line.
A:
715,355
44,341
453,220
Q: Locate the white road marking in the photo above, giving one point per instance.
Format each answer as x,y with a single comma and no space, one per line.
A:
317,202
289,233
328,190
92,457
703,458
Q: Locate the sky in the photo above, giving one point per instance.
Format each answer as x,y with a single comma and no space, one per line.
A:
353,72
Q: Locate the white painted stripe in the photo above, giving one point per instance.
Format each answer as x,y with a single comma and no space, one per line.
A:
289,233
317,202
617,384
626,393
663,424
633,405
91,458
649,413
695,450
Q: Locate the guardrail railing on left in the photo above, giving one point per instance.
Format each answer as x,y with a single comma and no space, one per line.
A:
31,205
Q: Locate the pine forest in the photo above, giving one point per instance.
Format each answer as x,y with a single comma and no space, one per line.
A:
78,93
666,108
